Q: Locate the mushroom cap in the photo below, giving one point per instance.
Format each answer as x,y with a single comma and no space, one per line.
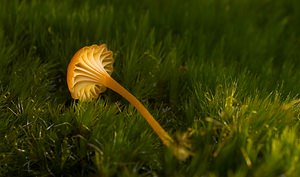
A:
88,70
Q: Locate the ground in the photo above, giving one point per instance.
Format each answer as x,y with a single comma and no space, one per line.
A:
221,77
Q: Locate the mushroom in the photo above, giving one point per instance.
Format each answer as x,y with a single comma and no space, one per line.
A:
89,75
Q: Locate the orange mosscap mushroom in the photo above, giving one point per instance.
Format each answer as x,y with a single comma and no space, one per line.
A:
89,75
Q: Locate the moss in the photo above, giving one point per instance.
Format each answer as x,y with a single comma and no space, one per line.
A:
219,75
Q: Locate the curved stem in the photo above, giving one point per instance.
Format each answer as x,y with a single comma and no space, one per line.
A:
115,86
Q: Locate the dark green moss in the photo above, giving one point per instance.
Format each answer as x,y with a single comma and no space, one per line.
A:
220,72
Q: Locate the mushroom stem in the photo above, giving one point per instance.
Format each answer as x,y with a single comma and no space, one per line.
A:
115,86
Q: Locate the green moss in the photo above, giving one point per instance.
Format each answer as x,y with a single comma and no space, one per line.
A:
218,75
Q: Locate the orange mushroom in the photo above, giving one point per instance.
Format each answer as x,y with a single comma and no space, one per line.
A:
89,75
